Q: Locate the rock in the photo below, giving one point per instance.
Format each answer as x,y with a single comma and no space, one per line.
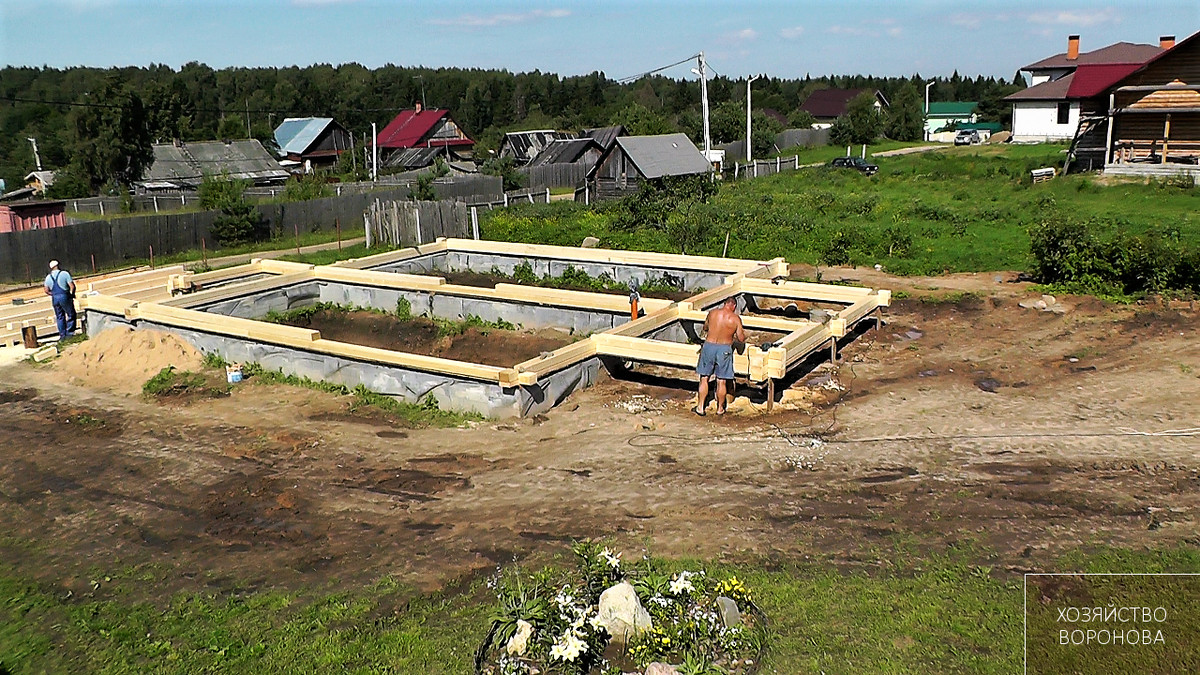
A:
819,315
621,613
730,614
590,242
1049,300
519,642
660,668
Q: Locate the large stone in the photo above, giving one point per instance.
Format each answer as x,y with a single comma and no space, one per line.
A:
660,668
590,242
621,613
730,614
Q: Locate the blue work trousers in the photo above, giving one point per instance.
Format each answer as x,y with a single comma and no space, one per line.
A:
64,314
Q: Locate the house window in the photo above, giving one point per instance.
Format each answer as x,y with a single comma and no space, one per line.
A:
1064,113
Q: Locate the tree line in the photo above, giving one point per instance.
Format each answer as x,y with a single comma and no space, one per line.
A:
95,125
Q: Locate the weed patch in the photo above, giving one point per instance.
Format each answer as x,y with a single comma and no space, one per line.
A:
184,385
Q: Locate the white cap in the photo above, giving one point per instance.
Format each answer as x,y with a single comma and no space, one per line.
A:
53,264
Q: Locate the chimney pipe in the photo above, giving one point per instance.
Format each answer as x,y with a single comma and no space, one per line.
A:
1072,47
417,106
1166,42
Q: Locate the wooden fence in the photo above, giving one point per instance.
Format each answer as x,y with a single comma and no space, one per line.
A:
556,175
406,223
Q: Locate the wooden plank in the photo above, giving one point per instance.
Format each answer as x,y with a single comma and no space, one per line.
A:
656,351
580,299
605,255
237,290
559,358
775,267
858,310
708,298
800,344
257,330
384,279
105,303
135,278
804,291
202,278
754,322
648,323
281,266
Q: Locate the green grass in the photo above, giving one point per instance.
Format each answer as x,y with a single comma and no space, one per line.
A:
954,210
170,382
825,153
940,614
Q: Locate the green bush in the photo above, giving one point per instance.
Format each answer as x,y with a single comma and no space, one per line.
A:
239,222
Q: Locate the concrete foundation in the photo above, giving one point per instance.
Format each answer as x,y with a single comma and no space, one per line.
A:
460,394
484,263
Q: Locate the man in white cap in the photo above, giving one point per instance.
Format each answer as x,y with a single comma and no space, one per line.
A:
61,288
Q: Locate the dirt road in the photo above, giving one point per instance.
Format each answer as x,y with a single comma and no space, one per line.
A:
1024,433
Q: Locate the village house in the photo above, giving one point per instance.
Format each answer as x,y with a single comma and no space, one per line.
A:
311,142
523,146
634,159
183,166
943,114
1050,109
414,138
827,105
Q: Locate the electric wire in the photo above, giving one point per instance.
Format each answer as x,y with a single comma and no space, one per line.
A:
634,78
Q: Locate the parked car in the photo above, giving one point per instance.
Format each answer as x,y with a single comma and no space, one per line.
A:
857,163
967,137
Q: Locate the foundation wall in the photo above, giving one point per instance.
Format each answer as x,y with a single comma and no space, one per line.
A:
258,305
485,263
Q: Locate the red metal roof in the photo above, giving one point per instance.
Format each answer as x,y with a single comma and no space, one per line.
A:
411,128
1094,79
828,103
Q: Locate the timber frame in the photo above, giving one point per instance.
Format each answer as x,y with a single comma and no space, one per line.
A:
626,342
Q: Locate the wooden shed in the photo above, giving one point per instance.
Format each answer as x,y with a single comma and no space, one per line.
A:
634,159
32,215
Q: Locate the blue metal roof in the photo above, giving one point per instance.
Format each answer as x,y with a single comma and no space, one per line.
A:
295,134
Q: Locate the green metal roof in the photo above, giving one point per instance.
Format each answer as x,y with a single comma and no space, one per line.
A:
952,109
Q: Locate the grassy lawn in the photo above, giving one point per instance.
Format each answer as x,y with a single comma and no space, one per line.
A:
938,615
824,153
954,210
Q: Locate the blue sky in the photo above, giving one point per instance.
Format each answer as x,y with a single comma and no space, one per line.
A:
786,39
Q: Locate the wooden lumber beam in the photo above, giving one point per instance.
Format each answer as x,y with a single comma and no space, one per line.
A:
858,310
385,279
607,302
800,344
775,267
392,256
804,291
105,303
237,290
754,322
656,351
604,255
281,266
557,359
648,323
257,330
134,278
708,298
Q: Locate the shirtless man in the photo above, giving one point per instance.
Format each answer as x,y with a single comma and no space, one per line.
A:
722,327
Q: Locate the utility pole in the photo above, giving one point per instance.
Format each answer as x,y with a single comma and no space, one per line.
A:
702,72
925,124
36,157
248,134
374,153
748,82
422,79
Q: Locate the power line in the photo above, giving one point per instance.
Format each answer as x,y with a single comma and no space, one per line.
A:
633,78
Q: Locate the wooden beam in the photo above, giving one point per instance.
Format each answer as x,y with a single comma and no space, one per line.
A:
648,323
804,291
257,330
658,351
384,279
281,266
105,303
237,290
106,285
709,298
754,322
607,302
557,359
604,255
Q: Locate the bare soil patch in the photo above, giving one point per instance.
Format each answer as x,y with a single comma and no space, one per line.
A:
489,346
897,450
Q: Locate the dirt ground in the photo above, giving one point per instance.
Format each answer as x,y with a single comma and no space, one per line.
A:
492,346
1024,432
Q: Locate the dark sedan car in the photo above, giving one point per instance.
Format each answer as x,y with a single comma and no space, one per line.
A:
856,163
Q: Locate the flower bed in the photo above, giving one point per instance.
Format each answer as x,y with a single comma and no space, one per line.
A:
609,617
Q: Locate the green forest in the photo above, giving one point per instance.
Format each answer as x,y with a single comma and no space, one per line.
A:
98,123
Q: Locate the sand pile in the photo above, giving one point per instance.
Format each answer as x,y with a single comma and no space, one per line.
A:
121,359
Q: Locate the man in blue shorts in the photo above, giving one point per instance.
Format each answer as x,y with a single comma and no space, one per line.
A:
61,288
722,327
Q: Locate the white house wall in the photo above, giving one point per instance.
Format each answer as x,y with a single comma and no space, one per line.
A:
1037,121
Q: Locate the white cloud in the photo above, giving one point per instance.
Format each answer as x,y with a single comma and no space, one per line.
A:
1069,18
744,34
488,20
838,29
895,31
791,33
968,21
